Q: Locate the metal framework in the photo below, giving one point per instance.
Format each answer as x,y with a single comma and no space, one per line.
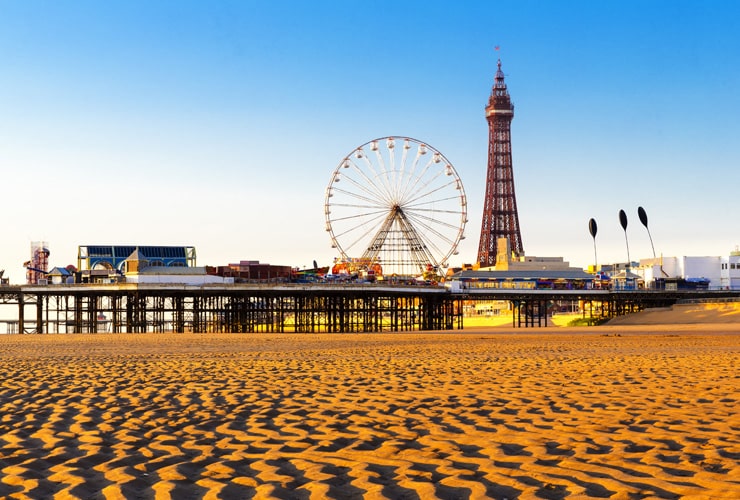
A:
230,309
333,309
38,266
500,216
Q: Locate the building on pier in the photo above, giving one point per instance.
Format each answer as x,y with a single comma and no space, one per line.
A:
576,279
730,271
137,268
684,272
246,271
112,257
166,265
511,272
60,276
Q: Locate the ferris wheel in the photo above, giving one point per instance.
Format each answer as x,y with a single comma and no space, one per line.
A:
397,204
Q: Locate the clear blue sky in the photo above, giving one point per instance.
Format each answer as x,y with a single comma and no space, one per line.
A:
217,124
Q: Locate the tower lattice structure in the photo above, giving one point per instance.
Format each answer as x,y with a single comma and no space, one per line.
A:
500,217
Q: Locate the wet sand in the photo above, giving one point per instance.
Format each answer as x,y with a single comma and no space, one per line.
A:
613,412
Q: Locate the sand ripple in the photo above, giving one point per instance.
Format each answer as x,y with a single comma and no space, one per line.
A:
474,415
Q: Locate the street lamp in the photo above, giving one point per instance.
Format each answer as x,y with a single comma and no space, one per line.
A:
623,222
592,227
644,219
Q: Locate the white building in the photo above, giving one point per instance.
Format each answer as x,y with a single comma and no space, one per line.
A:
722,272
730,271
136,269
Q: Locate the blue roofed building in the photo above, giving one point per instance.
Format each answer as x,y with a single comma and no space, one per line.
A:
112,257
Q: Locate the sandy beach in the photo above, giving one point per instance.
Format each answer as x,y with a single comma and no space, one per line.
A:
626,411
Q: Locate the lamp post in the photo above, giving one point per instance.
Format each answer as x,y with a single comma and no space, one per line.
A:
623,222
592,228
644,219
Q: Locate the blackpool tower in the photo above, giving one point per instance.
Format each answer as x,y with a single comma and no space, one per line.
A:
500,217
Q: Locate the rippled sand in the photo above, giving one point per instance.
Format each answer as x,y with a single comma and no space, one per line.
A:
612,413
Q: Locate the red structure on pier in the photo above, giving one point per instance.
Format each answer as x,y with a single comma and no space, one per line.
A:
500,217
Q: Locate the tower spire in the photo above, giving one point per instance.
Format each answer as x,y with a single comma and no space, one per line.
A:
500,216
499,80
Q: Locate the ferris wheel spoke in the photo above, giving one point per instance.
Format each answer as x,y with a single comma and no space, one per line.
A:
442,205
364,187
416,244
452,197
422,178
379,240
382,169
436,244
401,172
437,213
378,178
361,239
356,233
431,221
431,193
427,189
355,198
411,176
365,183
433,227
365,217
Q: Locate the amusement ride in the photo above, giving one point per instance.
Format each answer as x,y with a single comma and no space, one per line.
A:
395,207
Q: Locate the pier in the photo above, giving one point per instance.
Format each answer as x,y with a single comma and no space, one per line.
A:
531,307
299,308
137,308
